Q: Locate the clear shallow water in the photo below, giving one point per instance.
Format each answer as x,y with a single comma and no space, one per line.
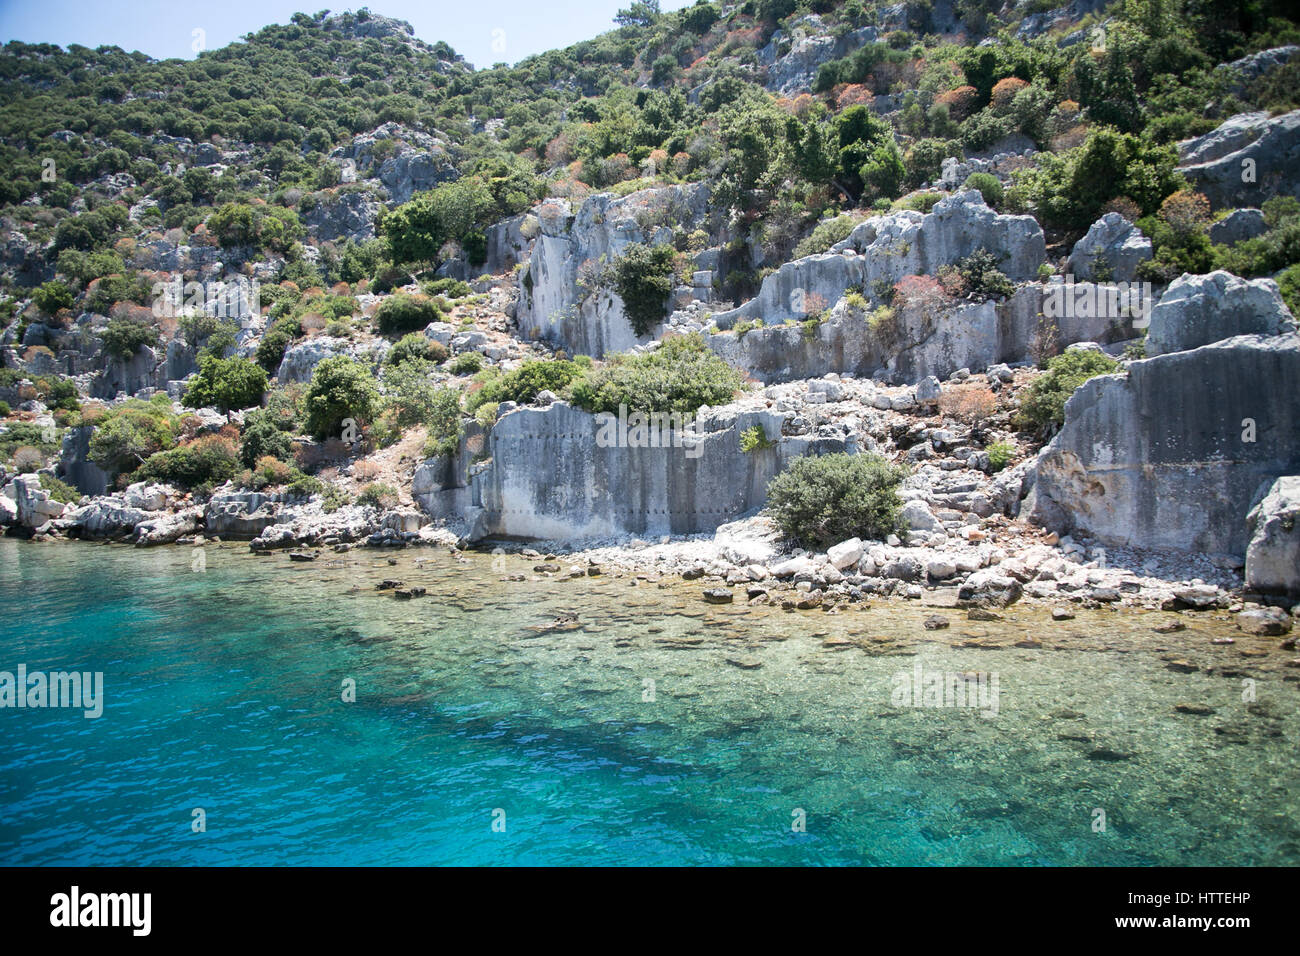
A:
223,692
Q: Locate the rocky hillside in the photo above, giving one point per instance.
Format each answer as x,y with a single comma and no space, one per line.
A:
892,292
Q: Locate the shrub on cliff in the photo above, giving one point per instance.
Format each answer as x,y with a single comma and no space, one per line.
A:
128,434
124,337
820,501
226,384
679,376
1043,408
403,313
525,383
643,278
339,389
415,347
262,437
210,460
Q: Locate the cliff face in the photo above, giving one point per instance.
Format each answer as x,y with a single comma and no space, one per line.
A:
550,476
1172,453
553,305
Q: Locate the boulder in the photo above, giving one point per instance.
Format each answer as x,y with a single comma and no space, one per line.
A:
1198,310
1238,225
1170,454
1110,252
845,554
919,518
989,587
1273,554
1247,159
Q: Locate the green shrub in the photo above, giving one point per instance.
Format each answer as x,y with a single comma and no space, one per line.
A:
466,363
1288,284
1043,407
983,278
990,187
124,337
679,376
261,437
445,423
5,410
226,384
825,234
451,288
378,495
525,383
403,313
52,296
1000,455
643,279
754,439
339,389
211,459
487,414
418,348
275,341
129,433
60,491
820,501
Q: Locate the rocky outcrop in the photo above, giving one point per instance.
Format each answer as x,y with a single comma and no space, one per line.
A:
75,466
792,60
549,474
301,360
918,342
31,505
1170,454
347,215
884,249
1237,226
1273,554
1247,159
1252,67
1110,252
415,160
1198,310
554,306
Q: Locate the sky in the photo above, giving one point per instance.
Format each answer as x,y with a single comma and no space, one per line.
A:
484,32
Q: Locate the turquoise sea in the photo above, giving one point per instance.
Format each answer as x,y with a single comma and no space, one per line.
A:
654,729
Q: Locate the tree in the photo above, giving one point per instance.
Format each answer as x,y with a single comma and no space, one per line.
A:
52,296
642,13
339,389
226,384
643,280
123,338
416,231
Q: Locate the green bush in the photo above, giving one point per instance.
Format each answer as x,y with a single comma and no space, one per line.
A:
52,296
466,363
415,347
820,501
525,383
401,313
378,495
445,423
643,279
209,460
1288,284
261,437
754,439
124,337
1000,455
60,491
451,288
1043,407
679,376
339,389
989,186
983,278
275,341
825,234
226,384
129,433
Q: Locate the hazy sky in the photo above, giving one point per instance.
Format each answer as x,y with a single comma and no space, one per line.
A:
485,32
